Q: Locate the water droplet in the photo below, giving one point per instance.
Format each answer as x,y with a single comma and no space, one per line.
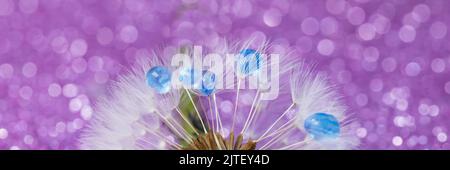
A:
208,83
322,125
249,61
158,78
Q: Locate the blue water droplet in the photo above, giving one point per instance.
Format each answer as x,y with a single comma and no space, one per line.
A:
191,78
322,125
159,78
249,61
208,83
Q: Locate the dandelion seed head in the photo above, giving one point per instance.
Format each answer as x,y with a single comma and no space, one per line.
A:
145,111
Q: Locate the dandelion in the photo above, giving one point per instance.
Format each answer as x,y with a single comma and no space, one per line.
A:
158,106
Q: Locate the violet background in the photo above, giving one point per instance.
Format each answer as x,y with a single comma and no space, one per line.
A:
391,58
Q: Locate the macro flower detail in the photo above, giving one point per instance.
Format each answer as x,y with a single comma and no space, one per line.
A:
161,106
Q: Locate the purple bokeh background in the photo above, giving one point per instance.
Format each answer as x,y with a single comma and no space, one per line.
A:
390,57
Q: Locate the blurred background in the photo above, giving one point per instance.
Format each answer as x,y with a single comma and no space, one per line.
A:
390,57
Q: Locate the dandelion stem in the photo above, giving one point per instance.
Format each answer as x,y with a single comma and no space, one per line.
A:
177,146
217,141
274,123
282,129
255,113
206,115
182,135
171,126
218,119
236,105
275,139
270,141
196,110
213,127
213,124
250,113
142,146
